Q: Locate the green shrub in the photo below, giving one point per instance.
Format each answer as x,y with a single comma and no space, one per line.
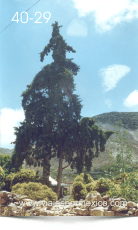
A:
102,185
80,187
78,190
87,178
84,178
133,178
35,191
119,178
91,186
131,194
8,182
114,190
79,178
127,177
2,177
5,162
24,175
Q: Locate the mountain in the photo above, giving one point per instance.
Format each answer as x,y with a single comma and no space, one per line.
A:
129,123
6,151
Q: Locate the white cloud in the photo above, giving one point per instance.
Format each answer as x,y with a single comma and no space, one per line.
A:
77,28
108,102
112,75
132,99
8,119
108,13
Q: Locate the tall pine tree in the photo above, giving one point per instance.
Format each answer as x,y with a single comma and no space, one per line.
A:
52,110
52,125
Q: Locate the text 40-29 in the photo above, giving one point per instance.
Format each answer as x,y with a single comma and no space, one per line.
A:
25,19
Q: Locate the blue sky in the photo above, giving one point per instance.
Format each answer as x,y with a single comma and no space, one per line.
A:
105,36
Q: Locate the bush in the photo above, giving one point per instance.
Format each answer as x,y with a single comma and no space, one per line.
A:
84,178
119,178
87,178
8,182
129,185
91,186
79,178
82,184
78,190
2,177
114,190
24,175
5,162
131,194
102,185
35,191
127,177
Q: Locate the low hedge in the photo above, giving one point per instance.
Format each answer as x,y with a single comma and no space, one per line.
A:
24,175
35,191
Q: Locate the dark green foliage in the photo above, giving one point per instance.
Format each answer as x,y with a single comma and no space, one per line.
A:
82,184
35,191
2,177
52,125
105,186
84,178
79,178
91,186
8,182
59,48
89,141
51,108
78,190
5,163
24,175
102,185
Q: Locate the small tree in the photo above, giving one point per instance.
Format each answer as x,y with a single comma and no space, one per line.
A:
123,160
6,163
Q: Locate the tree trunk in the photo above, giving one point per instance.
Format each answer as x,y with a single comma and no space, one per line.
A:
46,170
59,179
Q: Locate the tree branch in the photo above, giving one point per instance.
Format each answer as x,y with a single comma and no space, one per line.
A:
65,167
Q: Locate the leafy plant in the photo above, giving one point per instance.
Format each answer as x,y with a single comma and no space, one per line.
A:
8,182
91,186
24,175
102,185
122,171
2,176
78,190
35,191
84,178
